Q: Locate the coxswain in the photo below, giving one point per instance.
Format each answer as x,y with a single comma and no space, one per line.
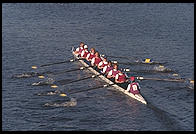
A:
112,73
107,68
79,49
133,87
85,52
90,55
96,60
103,63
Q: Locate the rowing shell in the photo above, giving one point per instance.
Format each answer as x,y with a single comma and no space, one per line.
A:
136,96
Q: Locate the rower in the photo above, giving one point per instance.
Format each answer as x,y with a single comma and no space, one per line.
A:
85,52
103,63
121,79
90,55
107,68
79,49
133,87
112,73
96,60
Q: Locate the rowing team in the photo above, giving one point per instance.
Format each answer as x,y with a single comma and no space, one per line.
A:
111,71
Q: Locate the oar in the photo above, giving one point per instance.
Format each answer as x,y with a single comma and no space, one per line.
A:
65,71
25,75
93,88
61,72
64,94
159,79
93,76
121,57
141,63
146,61
117,57
149,71
72,60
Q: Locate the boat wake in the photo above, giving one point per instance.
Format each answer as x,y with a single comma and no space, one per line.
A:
166,118
154,70
70,103
29,74
162,69
189,85
49,93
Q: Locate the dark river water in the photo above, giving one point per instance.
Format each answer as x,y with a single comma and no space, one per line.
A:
37,34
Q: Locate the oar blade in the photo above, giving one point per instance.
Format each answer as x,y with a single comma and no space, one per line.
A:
34,67
148,60
192,81
41,77
63,94
175,75
54,86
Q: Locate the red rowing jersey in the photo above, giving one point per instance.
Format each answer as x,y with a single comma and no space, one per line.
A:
84,53
107,69
121,77
113,72
79,50
102,64
133,88
95,61
90,56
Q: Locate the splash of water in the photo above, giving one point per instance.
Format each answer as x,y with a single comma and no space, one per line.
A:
161,69
49,81
25,75
70,103
49,93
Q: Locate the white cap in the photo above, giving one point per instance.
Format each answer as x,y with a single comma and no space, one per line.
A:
85,46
